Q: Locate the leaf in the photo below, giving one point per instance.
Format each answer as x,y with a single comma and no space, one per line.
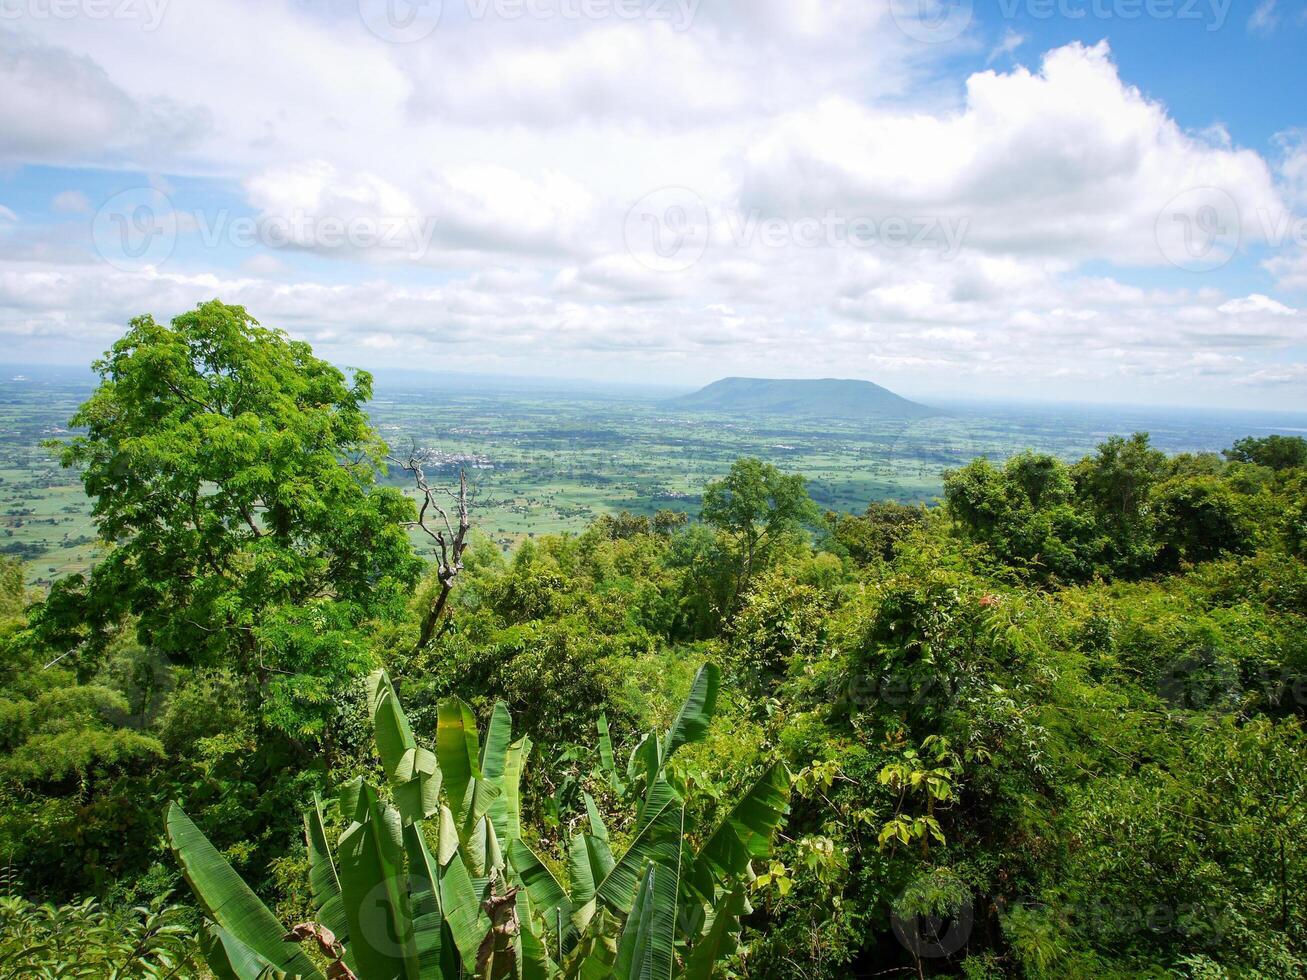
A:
457,750
548,899
462,905
601,854
324,881
230,902
647,950
494,765
425,904
518,753
745,834
696,714
412,771
229,958
607,761
658,843
371,868
721,939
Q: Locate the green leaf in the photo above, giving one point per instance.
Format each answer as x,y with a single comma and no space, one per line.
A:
598,845
692,722
721,940
230,902
231,959
745,833
518,753
462,905
658,843
324,881
548,899
648,946
607,761
373,886
412,771
458,752
424,904
495,756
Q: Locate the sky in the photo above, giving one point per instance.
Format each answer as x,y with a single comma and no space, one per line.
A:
1082,200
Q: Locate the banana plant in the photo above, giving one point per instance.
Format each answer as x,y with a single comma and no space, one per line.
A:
429,878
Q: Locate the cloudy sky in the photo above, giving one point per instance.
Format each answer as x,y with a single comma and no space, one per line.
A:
1084,199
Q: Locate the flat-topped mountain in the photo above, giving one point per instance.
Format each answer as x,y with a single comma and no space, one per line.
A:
823,398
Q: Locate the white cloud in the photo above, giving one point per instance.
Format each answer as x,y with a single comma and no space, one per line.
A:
1067,161
1009,44
62,107
1256,303
1264,18
70,202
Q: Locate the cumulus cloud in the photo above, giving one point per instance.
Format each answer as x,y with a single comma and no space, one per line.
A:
61,106
1068,160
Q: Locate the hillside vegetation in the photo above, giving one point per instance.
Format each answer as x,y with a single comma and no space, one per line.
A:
1051,727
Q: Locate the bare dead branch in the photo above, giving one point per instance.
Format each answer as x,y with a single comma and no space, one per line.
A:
450,541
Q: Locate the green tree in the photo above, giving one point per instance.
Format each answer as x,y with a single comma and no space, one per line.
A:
1115,483
1277,452
1199,519
234,476
1026,513
871,536
756,506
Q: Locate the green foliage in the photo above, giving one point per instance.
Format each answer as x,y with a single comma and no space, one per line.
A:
756,506
1052,728
84,940
234,474
399,899
1276,451
872,536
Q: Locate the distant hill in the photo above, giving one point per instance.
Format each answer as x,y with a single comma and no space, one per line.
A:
825,398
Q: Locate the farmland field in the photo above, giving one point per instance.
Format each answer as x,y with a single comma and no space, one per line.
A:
542,458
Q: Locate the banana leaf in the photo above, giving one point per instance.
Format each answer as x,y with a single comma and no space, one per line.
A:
372,882
229,902
696,714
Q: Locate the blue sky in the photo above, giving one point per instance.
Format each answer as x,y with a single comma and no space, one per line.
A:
992,200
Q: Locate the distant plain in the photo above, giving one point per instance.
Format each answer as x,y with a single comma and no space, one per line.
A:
547,457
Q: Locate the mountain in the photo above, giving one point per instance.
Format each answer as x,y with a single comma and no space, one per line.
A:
825,398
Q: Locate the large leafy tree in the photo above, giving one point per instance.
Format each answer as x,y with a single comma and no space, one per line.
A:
234,477
756,506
